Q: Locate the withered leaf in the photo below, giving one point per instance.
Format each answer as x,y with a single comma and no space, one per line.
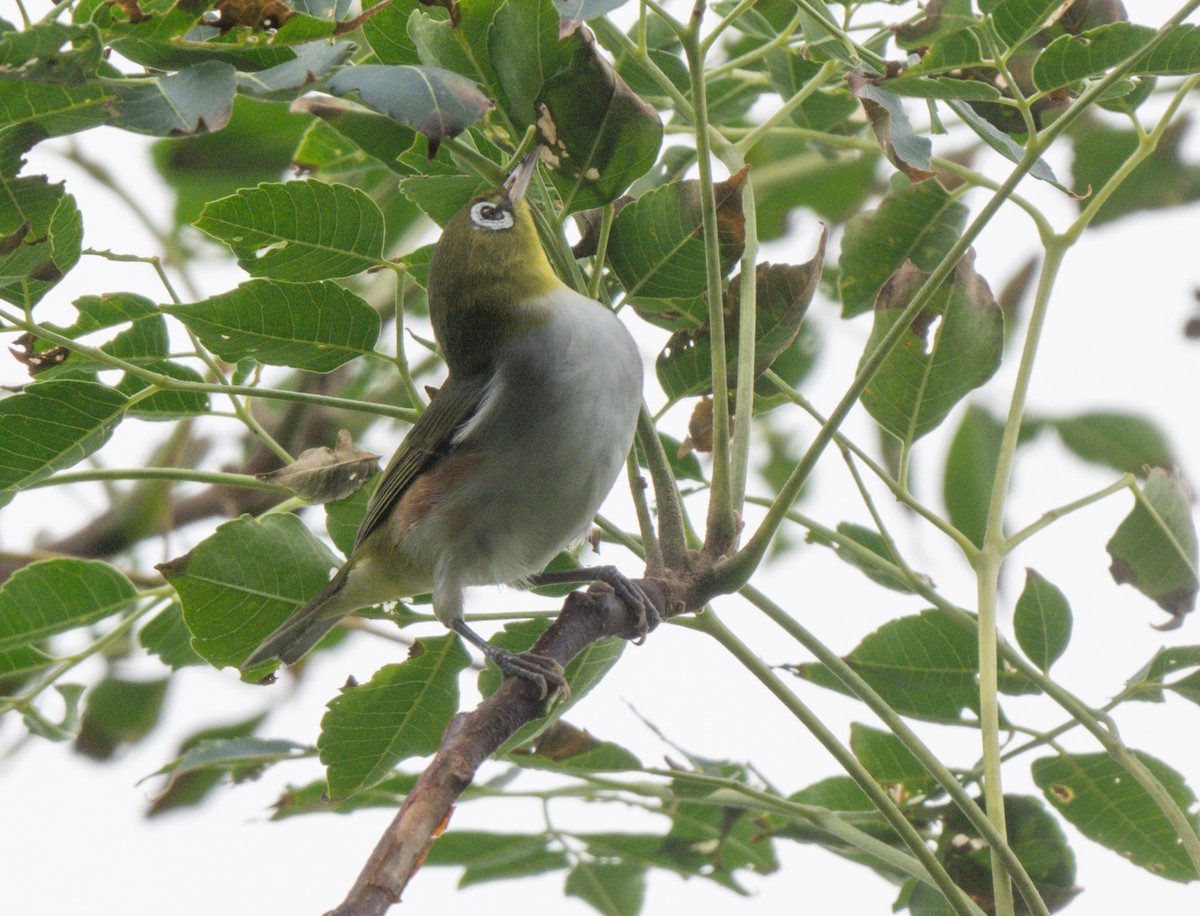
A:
324,475
905,150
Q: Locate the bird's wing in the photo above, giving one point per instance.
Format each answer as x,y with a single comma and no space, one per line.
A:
430,439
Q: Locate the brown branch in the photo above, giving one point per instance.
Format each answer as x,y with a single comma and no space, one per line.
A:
472,737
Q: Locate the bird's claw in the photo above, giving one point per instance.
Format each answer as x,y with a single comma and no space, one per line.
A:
542,670
633,596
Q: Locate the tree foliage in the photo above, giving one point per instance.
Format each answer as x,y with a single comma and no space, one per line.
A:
905,139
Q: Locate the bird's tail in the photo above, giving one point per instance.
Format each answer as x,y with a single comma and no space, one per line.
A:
293,638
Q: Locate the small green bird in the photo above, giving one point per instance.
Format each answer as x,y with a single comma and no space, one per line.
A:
516,450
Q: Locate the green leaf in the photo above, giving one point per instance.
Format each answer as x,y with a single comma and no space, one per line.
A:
237,585
435,101
53,596
1154,549
41,237
924,666
192,101
1147,685
400,713
299,230
1016,20
951,348
1107,805
564,747
1034,835
1177,55
587,9
525,51
495,856
1070,58
937,19
583,673
907,151
1042,620
656,248
284,81
165,404
597,134
387,33
188,787
1003,144
65,728
313,798
874,542
1163,179
119,712
970,471
913,222
1122,441
440,196
971,90
783,294
343,517
791,71
612,889
42,110
256,145
313,326
233,753
891,763
167,637
953,51
53,425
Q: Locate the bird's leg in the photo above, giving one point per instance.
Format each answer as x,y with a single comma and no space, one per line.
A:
625,589
544,671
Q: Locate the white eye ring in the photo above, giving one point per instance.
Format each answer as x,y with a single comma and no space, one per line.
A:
489,216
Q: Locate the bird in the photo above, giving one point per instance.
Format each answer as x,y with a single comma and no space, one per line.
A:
515,452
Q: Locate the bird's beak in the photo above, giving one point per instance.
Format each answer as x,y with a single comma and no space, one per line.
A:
518,182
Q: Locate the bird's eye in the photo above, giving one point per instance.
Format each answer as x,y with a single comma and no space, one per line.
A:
490,216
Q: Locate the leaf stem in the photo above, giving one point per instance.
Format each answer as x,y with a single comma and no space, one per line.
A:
1124,482
708,622
720,530
180,475
168,382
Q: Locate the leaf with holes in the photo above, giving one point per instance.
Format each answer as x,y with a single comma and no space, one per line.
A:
952,347
323,474
41,238
784,291
313,326
657,248
598,136
1106,804
299,230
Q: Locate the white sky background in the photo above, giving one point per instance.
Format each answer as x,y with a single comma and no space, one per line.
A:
72,839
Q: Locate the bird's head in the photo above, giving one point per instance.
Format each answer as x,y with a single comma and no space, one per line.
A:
487,266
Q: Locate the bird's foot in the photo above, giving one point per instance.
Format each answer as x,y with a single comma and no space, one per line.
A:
542,670
630,593
633,596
